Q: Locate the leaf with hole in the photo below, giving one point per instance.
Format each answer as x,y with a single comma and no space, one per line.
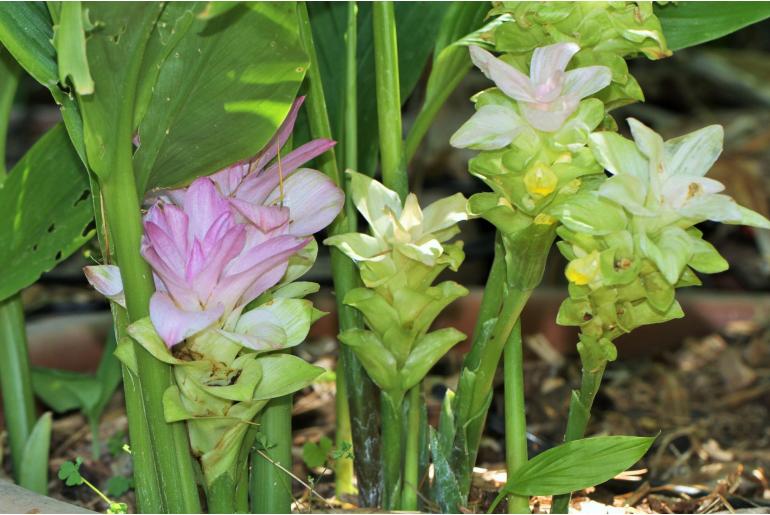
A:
45,211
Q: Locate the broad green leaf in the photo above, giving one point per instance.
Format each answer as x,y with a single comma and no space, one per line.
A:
686,24
62,390
578,464
45,212
417,26
221,94
33,474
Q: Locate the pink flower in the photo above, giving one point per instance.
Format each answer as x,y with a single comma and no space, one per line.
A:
206,263
265,189
221,242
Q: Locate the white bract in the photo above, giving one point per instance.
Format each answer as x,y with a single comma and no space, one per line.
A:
664,182
545,99
417,234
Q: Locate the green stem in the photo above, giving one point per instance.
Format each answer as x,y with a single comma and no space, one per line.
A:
363,400
15,380
220,495
412,451
388,98
171,447
392,450
577,421
515,414
271,486
343,466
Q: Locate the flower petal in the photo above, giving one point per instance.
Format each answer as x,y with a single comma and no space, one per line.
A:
490,128
627,191
358,246
619,155
107,281
174,324
374,201
293,316
551,60
695,153
272,147
444,213
583,82
549,117
204,205
510,80
719,208
678,190
313,199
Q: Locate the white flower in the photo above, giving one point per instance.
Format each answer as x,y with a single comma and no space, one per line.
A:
546,98
416,233
665,180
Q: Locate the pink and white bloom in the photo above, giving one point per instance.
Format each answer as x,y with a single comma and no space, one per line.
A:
545,99
221,242
106,279
266,188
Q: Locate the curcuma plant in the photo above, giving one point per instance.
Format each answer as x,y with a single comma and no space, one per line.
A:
398,263
225,253
177,140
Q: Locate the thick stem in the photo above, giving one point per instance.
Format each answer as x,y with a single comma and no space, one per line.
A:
15,381
388,98
412,451
515,414
392,450
148,495
363,399
343,465
577,421
271,486
220,496
171,447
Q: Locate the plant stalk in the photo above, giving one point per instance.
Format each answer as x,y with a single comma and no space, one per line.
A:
15,379
220,496
363,400
271,486
412,450
171,448
392,449
515,414
577,420
388,98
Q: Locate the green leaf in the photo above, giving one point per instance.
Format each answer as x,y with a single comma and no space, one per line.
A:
283,374
69,472
119,485
221,94
417,26
315,454
33,474
62,390
70,41
690,23
26,31
578,464
44,211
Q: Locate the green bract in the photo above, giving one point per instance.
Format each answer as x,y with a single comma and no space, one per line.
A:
398,263
221,385
631,242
